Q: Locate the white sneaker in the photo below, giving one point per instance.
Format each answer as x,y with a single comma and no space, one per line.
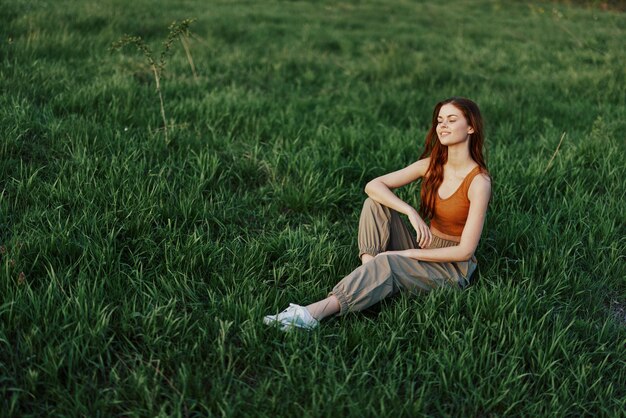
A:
294,316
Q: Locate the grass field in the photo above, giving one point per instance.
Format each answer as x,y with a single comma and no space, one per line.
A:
136,268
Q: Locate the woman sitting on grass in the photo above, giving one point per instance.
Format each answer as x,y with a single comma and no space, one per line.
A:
455,193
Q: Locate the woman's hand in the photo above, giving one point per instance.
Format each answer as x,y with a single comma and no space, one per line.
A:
424,237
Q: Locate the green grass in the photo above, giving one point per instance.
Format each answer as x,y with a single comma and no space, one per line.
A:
148,264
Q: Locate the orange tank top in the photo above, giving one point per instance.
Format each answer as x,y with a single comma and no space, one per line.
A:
451,213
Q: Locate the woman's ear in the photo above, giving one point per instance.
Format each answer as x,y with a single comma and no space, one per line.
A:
470,130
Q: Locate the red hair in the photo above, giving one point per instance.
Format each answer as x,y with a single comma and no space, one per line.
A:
439,153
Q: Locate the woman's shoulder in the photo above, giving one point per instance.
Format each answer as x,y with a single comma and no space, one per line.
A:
419,168
480,185
482,173
424,161
478,172
422,165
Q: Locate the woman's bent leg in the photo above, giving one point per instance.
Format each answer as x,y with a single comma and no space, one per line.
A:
382,229
388,274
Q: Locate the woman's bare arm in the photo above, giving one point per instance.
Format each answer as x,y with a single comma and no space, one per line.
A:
380,190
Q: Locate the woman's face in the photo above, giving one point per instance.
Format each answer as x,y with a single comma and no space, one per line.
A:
452,127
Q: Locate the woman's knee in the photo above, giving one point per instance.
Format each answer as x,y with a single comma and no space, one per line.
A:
369,203
372,206
386,261
392,262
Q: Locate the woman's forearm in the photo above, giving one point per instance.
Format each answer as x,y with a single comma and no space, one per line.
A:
455,253
384,195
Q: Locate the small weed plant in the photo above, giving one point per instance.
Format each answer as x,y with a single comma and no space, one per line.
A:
177,30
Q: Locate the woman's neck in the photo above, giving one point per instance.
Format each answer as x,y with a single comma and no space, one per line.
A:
459,156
